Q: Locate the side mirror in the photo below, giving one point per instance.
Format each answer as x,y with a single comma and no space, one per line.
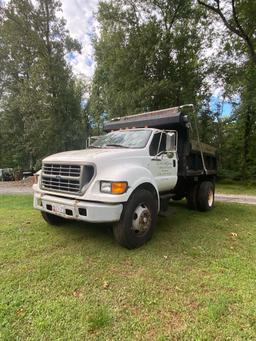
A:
171,141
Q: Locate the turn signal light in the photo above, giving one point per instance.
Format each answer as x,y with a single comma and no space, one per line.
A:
119,187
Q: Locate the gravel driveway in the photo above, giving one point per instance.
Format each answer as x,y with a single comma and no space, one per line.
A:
239,198
16,187
25,187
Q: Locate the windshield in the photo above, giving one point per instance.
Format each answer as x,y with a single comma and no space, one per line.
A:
123,139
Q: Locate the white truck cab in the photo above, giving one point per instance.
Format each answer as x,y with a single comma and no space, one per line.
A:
121,178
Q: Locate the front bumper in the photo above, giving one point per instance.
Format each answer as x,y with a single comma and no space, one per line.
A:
94,212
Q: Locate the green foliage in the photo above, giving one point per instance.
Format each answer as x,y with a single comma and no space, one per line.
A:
41,100
236,68
147,56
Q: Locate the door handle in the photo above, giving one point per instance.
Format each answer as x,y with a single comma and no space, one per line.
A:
174,163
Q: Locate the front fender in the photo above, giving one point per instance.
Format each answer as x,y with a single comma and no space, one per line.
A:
139,176
135,175
146,181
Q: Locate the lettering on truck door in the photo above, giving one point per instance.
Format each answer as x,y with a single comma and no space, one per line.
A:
163,162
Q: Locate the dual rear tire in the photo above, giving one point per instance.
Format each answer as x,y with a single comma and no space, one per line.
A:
201,196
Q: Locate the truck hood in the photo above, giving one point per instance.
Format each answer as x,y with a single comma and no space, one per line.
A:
91,155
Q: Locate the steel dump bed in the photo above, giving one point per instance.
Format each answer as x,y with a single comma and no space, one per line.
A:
161,119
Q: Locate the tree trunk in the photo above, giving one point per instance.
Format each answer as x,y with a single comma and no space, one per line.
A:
246,141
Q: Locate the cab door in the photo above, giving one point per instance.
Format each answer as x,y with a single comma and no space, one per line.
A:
163,159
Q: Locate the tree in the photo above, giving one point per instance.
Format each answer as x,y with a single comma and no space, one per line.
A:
148,56
239,69
41,100
238,17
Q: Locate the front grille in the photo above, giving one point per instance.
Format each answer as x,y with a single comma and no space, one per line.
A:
62,178
63,170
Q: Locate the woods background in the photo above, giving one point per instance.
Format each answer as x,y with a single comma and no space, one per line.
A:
150,54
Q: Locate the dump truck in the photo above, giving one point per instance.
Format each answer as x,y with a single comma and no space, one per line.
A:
129,175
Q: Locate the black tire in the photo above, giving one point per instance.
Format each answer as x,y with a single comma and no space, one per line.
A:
205,196
192,197
178,197
52,219
132,231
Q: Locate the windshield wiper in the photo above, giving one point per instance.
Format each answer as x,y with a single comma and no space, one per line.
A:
94,147
115,145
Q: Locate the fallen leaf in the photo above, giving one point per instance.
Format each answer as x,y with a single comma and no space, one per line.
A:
77,293
20,311
106,285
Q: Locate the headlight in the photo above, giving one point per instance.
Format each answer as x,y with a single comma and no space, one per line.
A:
105,187
113,187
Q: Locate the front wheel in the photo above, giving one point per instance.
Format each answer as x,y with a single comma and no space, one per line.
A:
138,220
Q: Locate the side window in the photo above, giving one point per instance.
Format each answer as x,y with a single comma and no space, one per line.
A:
158,144
154,144
162,147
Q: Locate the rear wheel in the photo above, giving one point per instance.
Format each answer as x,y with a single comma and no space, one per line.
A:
192,196
205,196
138,220
178,197
52,219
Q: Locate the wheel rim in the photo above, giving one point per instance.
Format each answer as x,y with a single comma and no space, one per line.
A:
210,198
141,220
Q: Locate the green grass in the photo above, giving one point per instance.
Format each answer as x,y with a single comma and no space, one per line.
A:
195,280
235,188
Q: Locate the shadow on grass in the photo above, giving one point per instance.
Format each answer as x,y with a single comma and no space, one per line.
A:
183,231
102,233
84,230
